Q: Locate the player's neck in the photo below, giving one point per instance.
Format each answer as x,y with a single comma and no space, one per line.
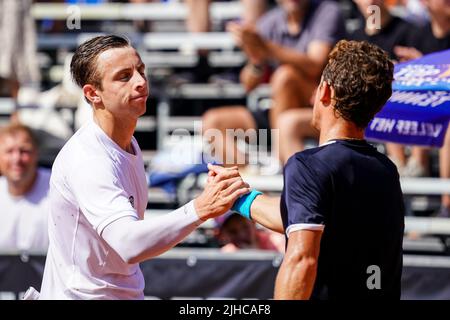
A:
340,129
119,130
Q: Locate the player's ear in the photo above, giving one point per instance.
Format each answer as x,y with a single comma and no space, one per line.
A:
325,93
90,92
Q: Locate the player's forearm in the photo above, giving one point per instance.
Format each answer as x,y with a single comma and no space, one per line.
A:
295,279
266,211
137,241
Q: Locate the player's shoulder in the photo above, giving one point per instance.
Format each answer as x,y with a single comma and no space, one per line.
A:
306,163
82,151
309,156
321,159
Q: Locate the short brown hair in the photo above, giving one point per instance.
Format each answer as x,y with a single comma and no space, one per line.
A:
83,66
14,128
361,75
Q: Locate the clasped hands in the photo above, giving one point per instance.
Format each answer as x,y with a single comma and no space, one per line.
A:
223,187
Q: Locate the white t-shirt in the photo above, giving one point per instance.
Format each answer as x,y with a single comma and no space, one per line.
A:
94,182
23,220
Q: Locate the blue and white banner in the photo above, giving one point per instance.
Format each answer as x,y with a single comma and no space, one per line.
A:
418,112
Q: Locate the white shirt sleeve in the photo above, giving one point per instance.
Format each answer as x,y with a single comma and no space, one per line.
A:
99,193
139,240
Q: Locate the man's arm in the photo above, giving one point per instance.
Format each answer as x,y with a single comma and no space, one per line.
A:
310,63
250,77
265,210
297,274
138,240
407,53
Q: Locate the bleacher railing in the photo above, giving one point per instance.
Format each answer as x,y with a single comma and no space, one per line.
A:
124,11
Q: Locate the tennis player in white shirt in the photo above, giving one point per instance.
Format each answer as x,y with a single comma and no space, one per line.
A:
98,190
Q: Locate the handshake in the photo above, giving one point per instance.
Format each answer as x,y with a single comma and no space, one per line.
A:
223,188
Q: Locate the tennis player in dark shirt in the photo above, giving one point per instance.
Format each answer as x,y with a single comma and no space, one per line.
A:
342,207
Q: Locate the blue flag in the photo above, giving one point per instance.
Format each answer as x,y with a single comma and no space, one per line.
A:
418,111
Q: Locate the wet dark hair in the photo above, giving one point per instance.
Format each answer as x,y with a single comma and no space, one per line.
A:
84,67
361,75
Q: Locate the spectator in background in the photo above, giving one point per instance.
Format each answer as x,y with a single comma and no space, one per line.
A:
415,12
18,59
392,31
235,233
292,40
435,36
198,20
444,161
23,192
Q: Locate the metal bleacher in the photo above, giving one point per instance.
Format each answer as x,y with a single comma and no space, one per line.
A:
7,106
126,11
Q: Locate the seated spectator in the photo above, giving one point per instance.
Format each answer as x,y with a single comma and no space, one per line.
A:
414,12
433,37
444,168
292,40
392,31
23,192
235,232
19,70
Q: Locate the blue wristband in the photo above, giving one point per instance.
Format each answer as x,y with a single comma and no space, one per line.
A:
243,204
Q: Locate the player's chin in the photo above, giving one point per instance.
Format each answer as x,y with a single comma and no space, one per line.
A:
139,106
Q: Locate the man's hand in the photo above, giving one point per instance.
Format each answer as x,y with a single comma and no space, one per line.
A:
247,38
221,191
407,53
265,210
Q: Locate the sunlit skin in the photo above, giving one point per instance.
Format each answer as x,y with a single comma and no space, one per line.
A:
123,94
18,162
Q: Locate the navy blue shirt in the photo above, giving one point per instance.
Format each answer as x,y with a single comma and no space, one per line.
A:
354,192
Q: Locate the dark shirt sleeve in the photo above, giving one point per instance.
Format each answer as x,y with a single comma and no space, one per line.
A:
306,192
